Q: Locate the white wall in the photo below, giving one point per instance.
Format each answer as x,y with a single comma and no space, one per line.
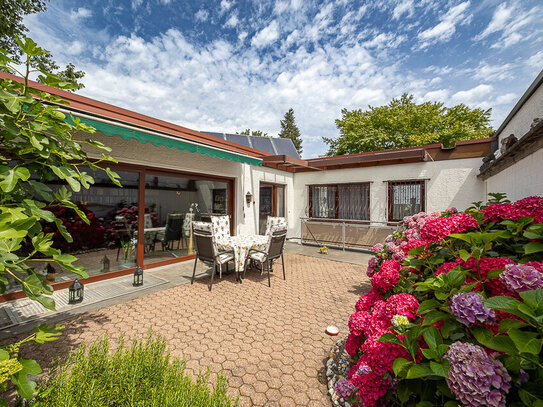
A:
521,122
450,183
522,179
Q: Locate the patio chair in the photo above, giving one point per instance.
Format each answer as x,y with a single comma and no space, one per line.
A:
206,250
275,221
274,250
123,231
173,231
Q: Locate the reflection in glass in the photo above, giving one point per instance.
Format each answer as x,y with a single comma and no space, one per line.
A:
168,204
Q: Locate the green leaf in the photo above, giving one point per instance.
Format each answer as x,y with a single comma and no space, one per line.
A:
506,304
428,305
46,333
534,299
418,371
526,342
433,337
506,324
440,369
391,338
400,366
464,255
533,247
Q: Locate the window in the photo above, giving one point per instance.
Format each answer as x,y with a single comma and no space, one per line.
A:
405,198
341,201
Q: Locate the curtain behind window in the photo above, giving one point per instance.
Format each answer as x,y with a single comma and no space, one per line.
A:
406,200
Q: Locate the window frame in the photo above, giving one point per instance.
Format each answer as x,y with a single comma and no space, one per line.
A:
336,202
390,195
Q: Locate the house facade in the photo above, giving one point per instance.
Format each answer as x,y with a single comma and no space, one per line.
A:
171,174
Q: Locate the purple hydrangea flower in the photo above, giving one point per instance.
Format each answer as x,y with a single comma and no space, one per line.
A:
475,378
377,248
372,264
344,388
468,308
520,277
391,247
399,255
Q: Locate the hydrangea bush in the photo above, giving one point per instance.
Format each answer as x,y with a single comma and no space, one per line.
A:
455,313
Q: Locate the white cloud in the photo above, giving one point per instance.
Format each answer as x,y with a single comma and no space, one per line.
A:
536,60
80,13
475,96
266,36
202,15
505,99
233,21
487,72
499,20
446,28
404,7
225,5
440,95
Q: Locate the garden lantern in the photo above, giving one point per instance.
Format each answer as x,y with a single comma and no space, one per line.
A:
105,264
75,292
249,198
138,277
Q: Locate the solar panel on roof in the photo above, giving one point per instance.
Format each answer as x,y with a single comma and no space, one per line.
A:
238,138
263,144
285,146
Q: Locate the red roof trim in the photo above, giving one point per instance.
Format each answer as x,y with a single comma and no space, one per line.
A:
109,111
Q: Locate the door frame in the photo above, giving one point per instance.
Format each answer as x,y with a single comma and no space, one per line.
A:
274,186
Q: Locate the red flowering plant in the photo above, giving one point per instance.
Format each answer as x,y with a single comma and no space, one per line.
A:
455,313
84,235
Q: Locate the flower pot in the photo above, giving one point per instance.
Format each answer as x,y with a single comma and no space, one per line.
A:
50,278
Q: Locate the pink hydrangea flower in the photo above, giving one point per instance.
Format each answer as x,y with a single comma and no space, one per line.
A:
387,277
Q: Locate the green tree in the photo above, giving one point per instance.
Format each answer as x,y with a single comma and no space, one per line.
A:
403,123
38,143
291,131
12,13
256,133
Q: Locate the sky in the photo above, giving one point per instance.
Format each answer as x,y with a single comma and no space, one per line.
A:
230,65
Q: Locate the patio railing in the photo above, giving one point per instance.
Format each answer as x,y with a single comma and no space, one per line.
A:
344,234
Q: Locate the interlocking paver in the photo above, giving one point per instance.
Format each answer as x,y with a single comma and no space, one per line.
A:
270,342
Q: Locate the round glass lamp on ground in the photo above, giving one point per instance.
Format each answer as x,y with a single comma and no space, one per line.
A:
138,277
75,292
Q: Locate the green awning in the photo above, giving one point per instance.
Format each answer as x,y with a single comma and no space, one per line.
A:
143,137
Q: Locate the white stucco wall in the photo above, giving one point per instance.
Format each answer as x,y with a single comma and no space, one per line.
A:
521,122
522,179
247,177
450,183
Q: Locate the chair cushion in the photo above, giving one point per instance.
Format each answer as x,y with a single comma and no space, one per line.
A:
224,257
275,221
260,257
221,226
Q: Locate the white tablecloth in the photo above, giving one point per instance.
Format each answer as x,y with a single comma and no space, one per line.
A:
241,246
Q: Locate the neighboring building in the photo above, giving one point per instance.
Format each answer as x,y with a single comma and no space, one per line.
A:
516,166
352,200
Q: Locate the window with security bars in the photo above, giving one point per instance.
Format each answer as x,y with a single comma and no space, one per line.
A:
340,201
405,198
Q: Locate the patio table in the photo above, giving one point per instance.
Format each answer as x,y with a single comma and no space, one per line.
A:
241,246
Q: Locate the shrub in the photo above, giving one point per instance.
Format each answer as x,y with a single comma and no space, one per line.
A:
455,315
142,374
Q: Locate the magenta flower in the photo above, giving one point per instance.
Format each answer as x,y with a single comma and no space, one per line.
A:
344,388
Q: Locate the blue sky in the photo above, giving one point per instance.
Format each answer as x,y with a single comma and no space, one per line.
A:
230,65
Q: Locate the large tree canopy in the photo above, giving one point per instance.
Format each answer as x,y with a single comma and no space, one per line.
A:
12,13
404,123
291,131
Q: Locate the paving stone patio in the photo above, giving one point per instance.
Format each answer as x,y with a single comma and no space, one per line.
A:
270,342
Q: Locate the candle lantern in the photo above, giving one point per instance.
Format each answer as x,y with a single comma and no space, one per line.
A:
105,264
138,277
75,292
249,197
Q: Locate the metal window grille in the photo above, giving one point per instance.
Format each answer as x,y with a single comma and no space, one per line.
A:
341,201
405,198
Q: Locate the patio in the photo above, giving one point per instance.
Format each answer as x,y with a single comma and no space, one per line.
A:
270,342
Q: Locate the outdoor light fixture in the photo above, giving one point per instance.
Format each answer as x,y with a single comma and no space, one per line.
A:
249,198
105,264
138,277
75,292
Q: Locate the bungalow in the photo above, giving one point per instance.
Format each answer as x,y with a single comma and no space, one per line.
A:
170,174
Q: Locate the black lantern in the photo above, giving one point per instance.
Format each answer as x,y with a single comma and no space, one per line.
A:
105,264
75,292
249,198
138,277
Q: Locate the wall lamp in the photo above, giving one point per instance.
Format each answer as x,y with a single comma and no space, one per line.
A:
249,198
